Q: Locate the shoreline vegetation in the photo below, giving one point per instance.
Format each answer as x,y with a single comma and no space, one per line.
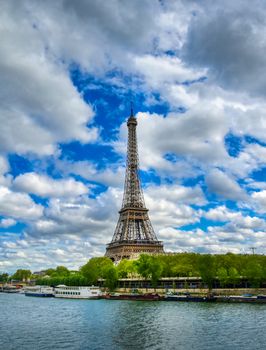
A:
172,271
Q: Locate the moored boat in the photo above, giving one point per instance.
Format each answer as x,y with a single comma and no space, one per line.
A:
189,298
10,289
39,291
77,292
140,297
175,297
242,298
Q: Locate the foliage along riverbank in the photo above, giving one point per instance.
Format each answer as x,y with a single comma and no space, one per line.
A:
228,269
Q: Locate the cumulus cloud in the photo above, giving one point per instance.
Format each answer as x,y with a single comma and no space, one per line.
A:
258,185
217,239
18,205
4,166
5,179
110,176
197,135
158,70
221,213
39,254
4,223
177,194
169,205
80,216
234,219
221,184
227,39
122,28
260,200
251,158
38,94
48,187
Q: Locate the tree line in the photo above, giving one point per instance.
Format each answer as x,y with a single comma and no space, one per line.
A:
228,269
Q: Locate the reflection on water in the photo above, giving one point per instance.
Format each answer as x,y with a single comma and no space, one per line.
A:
41,324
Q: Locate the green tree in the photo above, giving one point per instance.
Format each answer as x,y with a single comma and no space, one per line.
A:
207,269
233,276
126,268
22,275
143,266
254,273
50,272
156,269
122,268
94,269
150,267
222,276
4,277
61,271
111,277
182,270
75,279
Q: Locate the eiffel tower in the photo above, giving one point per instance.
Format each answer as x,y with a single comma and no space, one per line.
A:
134,233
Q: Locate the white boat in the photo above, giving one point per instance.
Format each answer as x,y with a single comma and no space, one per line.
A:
77,292
9,289
39,291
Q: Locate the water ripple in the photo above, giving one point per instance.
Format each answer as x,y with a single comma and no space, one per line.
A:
43,324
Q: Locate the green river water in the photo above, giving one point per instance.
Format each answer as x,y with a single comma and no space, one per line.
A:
29,323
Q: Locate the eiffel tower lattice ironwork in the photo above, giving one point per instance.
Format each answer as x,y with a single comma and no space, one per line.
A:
134,233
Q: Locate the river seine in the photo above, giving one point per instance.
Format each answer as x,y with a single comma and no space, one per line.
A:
29,323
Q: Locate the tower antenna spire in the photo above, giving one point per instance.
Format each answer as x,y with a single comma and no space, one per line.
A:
131,109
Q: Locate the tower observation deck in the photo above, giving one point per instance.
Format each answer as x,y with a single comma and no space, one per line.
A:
134,233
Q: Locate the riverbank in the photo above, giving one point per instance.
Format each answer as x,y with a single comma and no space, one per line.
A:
226,296
198,291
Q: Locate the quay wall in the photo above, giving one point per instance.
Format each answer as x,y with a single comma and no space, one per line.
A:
216,291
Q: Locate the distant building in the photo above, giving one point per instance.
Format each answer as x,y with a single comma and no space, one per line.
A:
39,273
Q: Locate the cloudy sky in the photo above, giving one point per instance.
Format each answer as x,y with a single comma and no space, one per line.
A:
195,71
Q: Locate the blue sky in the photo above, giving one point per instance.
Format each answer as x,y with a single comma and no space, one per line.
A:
195,73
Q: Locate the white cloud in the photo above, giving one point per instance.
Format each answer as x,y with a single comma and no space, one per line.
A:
197,135
221,213
167,206
4,166
252,157
258,185
38,254
224,186
45,186
110,176
93,218
217,239
41,106
18,205
234,219
260,200
177,194
159,70
5,180
229,39
120,27
4,223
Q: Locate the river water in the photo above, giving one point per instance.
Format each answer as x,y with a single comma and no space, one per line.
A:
29,323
